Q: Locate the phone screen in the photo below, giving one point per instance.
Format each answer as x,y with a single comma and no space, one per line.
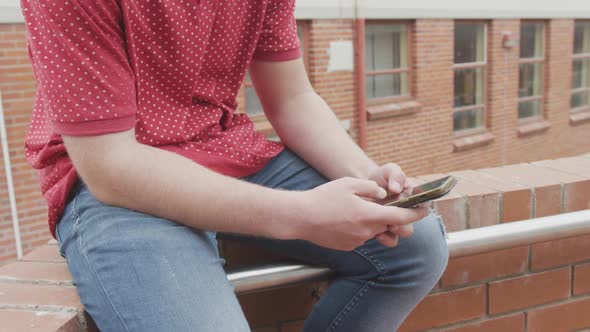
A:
428,186
422,193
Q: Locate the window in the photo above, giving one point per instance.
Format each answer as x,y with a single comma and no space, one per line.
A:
386,60
253,105
532,57
470,76
581,68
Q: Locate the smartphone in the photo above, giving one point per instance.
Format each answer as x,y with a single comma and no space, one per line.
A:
423,193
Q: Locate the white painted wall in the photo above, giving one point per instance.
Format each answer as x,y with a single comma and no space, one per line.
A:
474,8
10,11
308,9
406,9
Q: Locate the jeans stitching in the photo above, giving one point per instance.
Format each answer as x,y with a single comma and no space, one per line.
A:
376,263
85,253
59,242
349,306
75,213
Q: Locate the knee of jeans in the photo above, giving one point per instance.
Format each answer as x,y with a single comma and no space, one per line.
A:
425,253
436,257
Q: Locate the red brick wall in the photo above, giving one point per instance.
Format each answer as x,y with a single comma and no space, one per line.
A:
337,88
18,90
421,142
544,286
418,141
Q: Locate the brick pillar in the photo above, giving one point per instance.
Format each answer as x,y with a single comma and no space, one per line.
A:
559,51
18,91
502,89
570,139
433,88
337,88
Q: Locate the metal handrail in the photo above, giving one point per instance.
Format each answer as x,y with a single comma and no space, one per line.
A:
275,276
463,243
515,234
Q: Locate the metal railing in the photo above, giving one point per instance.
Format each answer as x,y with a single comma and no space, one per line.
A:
463,243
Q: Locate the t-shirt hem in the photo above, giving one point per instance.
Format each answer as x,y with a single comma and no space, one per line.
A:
278,56
95,127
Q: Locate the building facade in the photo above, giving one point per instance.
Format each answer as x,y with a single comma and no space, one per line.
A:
433,89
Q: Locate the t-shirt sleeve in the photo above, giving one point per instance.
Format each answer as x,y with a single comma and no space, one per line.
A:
278,39
84,79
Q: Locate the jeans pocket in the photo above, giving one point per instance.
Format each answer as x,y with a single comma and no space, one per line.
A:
442,224
68,217
59,241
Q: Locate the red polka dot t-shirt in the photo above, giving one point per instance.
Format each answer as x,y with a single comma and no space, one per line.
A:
171,69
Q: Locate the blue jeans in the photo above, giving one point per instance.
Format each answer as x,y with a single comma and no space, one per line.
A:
138,272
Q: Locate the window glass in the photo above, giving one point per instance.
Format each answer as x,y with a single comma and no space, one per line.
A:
581,66
470,42
531,79
468,119
531,40
582,38
530,85
385,46
300,36
469,87
469,76
529,108
380,86
386,50
581,73
581,83
580,99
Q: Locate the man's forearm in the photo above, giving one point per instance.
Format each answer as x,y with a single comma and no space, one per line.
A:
164,184
306,125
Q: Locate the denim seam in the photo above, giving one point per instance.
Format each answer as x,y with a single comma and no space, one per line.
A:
349,306
376,263
85,253
75,213
59,242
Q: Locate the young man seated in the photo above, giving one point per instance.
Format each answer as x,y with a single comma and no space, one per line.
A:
144,162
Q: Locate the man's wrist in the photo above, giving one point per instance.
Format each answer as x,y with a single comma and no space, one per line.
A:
362,171
290,215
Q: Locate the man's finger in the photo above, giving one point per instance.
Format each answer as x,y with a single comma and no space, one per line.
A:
396,179
387,239
368,189
397,216
405,231
407,192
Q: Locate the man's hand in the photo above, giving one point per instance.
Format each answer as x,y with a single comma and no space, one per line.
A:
391,178
307,125
341,215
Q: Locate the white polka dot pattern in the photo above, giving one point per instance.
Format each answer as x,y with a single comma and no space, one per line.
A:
171,69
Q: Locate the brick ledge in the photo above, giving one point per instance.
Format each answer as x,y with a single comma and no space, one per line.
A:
532,128
579,117
388,110
474,141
